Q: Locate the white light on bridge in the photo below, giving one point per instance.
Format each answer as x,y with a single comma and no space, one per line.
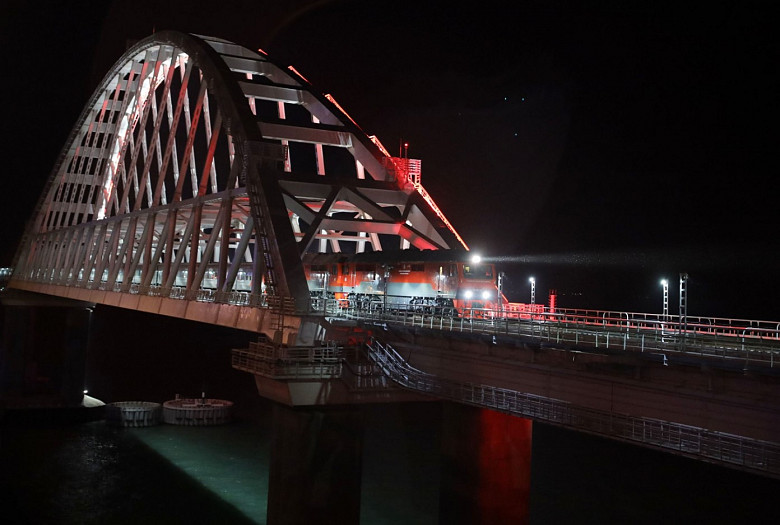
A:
665,284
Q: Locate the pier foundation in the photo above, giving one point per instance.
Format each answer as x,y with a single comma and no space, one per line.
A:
44,350
486,466
315,471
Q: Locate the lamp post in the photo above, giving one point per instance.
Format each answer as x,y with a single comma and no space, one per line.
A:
665,315
665,284
500,292
683,306
533,290
325,283
386,272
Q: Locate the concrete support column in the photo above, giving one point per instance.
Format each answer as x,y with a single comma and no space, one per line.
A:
486,466
75,338
44,352
315,471
15,354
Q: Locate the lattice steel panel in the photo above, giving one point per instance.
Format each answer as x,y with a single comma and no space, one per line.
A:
200,165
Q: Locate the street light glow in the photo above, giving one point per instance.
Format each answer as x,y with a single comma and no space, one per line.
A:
665,284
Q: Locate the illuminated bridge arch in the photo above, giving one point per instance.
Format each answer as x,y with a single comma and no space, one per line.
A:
201,170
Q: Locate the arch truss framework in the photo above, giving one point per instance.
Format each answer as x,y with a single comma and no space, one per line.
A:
199,165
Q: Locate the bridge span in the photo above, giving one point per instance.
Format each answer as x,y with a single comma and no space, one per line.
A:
207,182
704,393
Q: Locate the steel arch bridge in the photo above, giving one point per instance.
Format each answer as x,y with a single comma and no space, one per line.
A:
197,177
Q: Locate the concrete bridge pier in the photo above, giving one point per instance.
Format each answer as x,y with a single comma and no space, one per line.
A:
44,350
486,466
315,467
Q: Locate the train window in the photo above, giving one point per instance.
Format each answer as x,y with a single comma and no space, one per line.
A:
334,269
418,267
363,267
319,267
477,271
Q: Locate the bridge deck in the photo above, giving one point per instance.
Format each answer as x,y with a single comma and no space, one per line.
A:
717,416
733,343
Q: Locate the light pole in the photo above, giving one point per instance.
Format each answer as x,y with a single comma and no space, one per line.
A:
387,278
500,292
665,284
325,283
683,305
533,290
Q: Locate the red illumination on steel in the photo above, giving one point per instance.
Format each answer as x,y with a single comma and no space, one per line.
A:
405,170
298,74
379,145
504,480
390,161
440,214
333,101
523,310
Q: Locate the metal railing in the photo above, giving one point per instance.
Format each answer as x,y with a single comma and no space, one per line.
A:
295,362
744,343
728,449
747,343
207,295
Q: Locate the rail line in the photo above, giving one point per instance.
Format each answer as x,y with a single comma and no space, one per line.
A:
742,343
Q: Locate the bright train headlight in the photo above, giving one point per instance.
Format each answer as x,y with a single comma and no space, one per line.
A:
485,294
468,294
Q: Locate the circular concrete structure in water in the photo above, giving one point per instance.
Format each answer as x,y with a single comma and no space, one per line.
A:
133,413
197,412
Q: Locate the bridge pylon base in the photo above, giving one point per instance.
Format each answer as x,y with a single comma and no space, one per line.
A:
316,461
43,353
486,466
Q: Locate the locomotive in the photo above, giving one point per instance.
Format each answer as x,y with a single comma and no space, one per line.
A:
439,281
443,282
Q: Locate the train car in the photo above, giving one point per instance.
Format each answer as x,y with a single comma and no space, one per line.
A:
429,281
442,282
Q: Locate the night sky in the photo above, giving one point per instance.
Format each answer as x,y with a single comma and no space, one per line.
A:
622,141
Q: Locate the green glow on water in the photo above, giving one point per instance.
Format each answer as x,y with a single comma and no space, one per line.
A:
231,461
